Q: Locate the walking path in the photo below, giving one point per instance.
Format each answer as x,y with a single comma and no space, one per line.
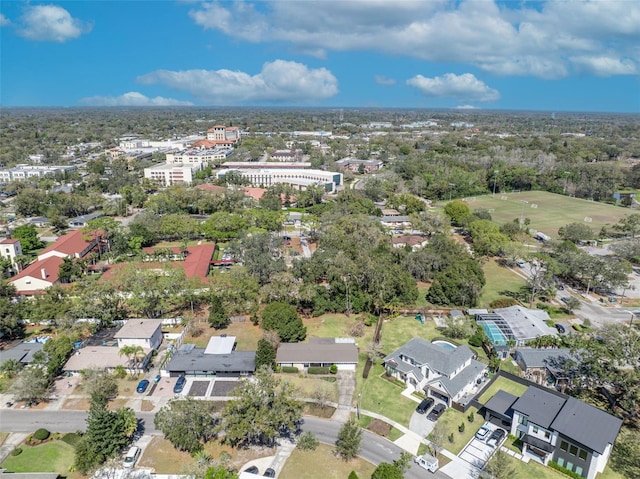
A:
10,443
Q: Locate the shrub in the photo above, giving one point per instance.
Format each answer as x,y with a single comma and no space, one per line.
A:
308,442
564,470
289,369
578,328
357,330
333,369
461,427
451,438
72,438
476,340
503,303
41,434
471,417
586,322
353,475
17,451
370,319
318,370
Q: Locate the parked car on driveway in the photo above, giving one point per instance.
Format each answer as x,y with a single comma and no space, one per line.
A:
269,473
496,437
483,433
131,457
252,470
424,406
561,329
142,386
177,389
435,413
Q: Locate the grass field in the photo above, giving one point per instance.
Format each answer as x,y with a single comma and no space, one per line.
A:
54,456
323,464
499,280
551,211
451,419
504,384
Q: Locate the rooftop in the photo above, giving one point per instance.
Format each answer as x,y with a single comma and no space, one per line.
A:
70,244
526,323
220,345
539,405
23,352
196,360
318,350
138,328
439,359
501,403
96,357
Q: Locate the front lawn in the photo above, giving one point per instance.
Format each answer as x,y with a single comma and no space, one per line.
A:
379,395
307,385
323,464
54,456
451,419
504,384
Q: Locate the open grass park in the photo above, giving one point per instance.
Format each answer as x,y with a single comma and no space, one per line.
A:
547,211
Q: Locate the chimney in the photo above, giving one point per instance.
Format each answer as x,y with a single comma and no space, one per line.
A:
44,273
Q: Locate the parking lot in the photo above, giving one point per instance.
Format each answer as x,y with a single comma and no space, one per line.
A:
477,452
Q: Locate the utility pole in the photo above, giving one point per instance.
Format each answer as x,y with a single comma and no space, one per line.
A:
495,178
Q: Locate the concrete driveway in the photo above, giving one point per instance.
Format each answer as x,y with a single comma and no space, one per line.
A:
420,424
477,452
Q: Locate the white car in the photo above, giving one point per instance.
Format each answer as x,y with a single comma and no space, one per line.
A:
483,433
131,457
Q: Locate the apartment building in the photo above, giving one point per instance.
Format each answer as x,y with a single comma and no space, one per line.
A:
23,172
198,155
168,174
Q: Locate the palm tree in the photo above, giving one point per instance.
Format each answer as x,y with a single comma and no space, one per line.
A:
127,351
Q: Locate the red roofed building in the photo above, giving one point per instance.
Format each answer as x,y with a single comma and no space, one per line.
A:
211,188
38,276
255,193
75,244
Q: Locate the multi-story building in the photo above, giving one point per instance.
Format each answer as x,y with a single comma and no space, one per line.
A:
221,132
199,155
23,172
284,155
173,174
355,165
10,248
298,178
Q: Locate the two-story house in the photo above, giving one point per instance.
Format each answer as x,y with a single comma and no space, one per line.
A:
440,370
554,427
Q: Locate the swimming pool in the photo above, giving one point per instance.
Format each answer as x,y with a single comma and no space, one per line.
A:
496,336
444,344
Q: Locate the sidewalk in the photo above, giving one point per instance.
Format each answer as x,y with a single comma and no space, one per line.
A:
14,439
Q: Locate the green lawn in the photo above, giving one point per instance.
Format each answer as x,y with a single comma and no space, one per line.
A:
323,464
451,419
397,331
499,280
54,456
551,211
382,396
504,384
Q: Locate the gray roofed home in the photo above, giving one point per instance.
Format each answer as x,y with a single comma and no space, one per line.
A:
22,353
546,366
195,361
526,323
500,406
319,351
540,406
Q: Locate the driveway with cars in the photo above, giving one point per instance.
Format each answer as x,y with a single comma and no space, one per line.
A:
477,452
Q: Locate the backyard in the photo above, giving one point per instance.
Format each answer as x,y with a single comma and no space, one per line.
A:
506,385
500,280
323,464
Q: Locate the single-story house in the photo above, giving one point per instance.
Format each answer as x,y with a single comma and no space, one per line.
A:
515,325
219,358
559,428
105,357
38,276
146,333
547,367
322,352
23,352
441,370
82,220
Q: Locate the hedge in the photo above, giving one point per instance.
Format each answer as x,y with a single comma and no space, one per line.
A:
289,369
318,370
564,470
41,434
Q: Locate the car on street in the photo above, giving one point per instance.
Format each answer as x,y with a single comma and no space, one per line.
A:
561,329
142,386
269,473
435,413
425,405
177,389
496,437
564,299
252,470
483,433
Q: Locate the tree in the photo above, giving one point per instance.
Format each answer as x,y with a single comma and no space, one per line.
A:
630,224
308,441
187,424
458,211
625,458
283,318
10,368
573,303
32,384
501,466
265,354
437,438
218,317
456,328
265,408
100,385
133,353
28,236
349,438
387,471
576,232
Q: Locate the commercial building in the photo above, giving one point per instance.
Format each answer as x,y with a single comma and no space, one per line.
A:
168,174
24,172
220,132
198,155
356,166
300,179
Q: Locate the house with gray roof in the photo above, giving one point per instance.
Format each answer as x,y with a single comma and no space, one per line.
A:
22,353
322,352
550,367
219,358
555,427
450,373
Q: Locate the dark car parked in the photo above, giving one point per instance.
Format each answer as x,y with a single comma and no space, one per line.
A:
560,328
424,406
435,413
179,385
496,437
142,386
252,470
269,473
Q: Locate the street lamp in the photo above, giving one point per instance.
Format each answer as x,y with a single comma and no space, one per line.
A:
451,185
495,178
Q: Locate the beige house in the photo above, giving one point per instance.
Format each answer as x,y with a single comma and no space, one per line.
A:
323,352
146,333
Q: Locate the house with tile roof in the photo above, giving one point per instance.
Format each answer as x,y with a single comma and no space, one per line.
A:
76,244
450,375
559,428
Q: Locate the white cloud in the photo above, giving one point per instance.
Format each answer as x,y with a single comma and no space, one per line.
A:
605,66
383,80
466,107
4,21
461,87
513,38
132,98
51,23
279,81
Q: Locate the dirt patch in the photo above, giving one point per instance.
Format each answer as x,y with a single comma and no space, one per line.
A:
146,406
198,388
381,428
81,404
116,404
223,388
311,409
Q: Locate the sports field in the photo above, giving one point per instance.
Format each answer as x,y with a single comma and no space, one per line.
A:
548,211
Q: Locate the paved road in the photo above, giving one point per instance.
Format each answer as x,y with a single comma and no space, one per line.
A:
59,421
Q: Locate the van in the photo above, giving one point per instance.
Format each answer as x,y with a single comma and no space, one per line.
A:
131,457
428,462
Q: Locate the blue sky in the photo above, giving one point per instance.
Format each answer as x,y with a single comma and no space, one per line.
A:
554,55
